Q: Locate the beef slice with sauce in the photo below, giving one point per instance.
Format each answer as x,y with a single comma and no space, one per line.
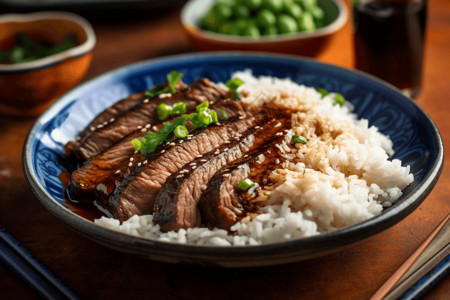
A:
223,204
176,203
137,195
141,115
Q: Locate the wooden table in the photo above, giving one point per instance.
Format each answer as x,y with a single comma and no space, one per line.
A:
96,272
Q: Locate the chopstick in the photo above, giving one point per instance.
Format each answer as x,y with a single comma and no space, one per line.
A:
20,260
394,279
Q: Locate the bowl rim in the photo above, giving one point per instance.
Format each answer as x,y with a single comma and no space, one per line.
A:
235,256
193,29
76,51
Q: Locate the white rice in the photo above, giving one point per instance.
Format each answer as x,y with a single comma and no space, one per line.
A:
341,177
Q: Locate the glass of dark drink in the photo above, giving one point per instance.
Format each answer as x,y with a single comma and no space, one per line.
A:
389,40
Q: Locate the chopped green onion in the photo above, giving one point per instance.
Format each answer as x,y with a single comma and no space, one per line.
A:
323,92
173,78
222,114
156,90
214,116
136,144
163,111
180,131
179,108
299,139
245,184
338,99
205,118
203,106
233,85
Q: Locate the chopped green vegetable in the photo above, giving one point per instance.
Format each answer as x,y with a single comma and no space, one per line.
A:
338,99
164,111
156,90
179,108
323,92
26,50
202,107
245,184
173,78
233,85
152,139
299,139
203,118
180,131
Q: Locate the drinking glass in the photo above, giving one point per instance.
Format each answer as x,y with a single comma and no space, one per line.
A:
389,38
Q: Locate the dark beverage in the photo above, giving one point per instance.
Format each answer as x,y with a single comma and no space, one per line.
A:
389,41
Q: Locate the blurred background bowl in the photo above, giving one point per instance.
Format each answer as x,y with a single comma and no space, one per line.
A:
302,43
28,88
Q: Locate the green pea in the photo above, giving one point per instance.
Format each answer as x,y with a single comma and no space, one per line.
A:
317,13
273,5
252,4
238,26
306,22
270,31
266,18
251,31
222,11
294,10
209,22
242,11
309,4
287,24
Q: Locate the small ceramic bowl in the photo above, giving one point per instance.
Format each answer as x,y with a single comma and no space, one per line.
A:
302,43
27,89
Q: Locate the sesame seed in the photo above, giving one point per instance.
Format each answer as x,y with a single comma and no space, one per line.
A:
100,126
154,128
143,129
257,127
146,100
192,164
277,125
145,162
180,142
226,142
131,158
241,118
147,126
139,164
117,172
130,164
190,135
227,170
189,138
203,160
239,167
139,127
218,123
111,120
179,176
198,156
246,155
105,123
217,151
193,168
226,175
172,144
92,128
163,151
225,150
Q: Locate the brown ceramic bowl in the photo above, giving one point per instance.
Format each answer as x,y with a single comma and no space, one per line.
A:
27,89
302,43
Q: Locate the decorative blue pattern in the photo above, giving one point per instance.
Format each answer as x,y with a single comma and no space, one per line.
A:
416,139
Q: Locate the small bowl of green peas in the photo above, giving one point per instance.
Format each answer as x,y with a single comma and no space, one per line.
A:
301,27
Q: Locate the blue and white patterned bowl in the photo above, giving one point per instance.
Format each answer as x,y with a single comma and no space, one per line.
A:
417,143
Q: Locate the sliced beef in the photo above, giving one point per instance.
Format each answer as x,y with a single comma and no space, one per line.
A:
222,204
106,135
101,174
138,193
109,115
176,203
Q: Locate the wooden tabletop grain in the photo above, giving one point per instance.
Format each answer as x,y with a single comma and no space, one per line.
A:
96,272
